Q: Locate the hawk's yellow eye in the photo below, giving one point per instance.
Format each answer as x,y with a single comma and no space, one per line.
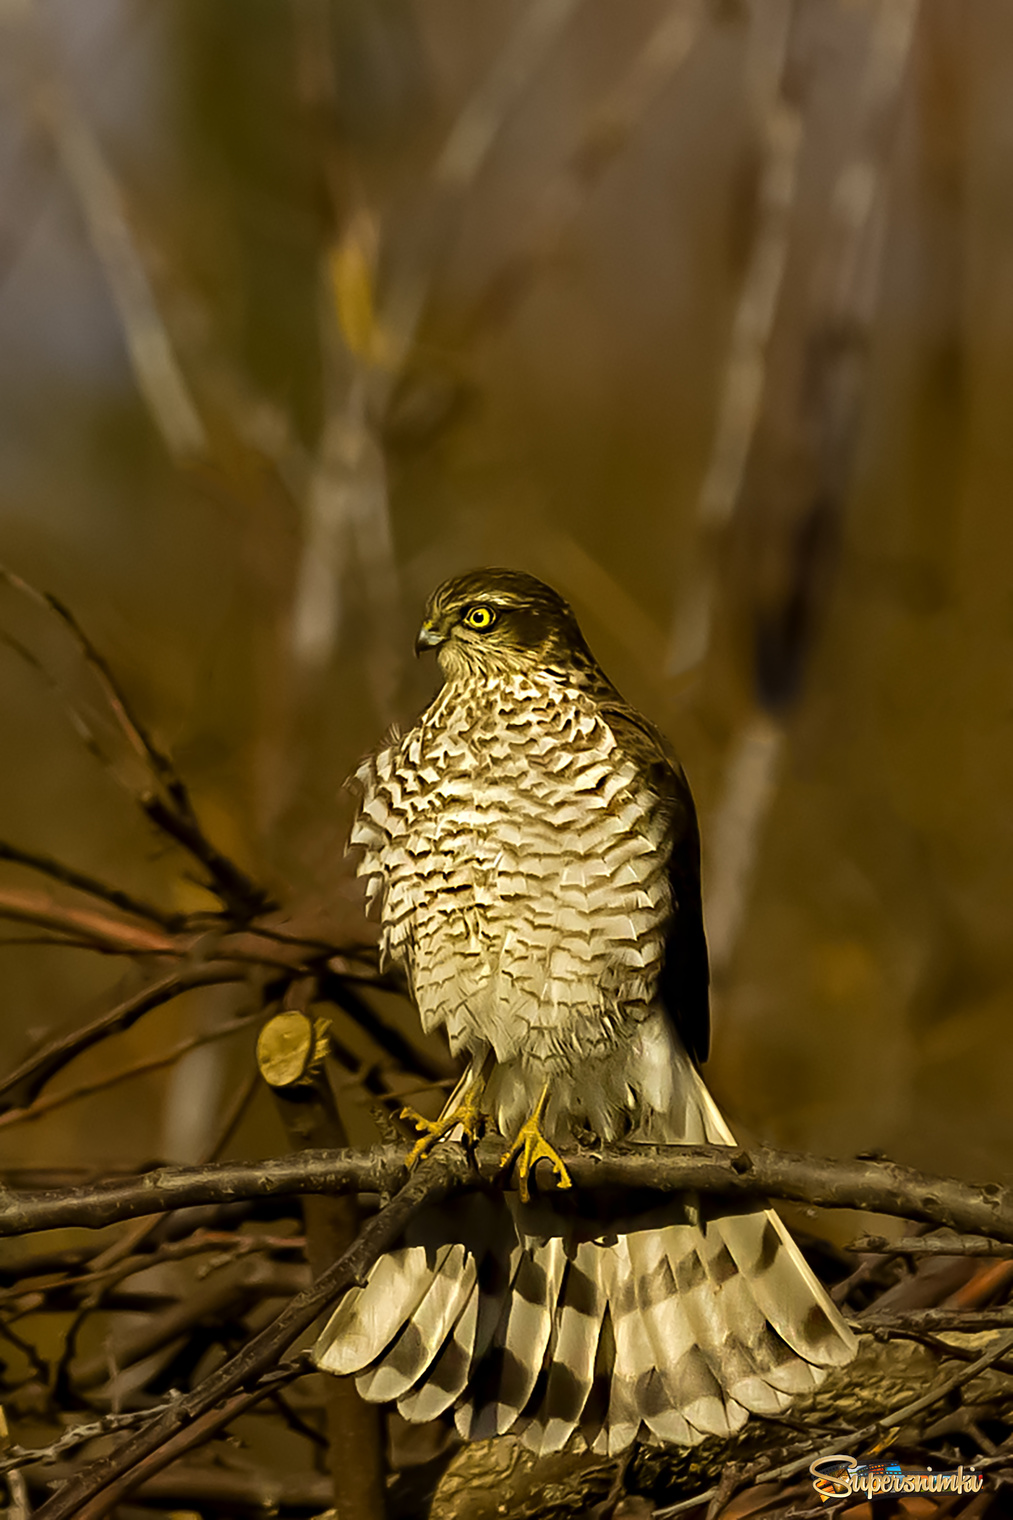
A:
479,618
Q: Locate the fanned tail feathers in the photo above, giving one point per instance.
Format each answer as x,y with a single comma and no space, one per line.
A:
668,1324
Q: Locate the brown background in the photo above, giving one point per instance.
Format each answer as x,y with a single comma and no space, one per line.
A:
229,445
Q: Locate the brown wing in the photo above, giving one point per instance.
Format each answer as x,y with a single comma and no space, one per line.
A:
684,984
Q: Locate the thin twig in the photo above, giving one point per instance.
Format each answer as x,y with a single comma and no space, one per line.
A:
744,380
606,133
78,1435
144,770
24,1084
233,1115
81,881
206,1242
943,1320
43,1106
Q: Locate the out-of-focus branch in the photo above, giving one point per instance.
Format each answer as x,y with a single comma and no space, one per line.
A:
795,475
749,785
367,343
84,925
605,134
223,1295
780,123
25,1083
204,959
51,639
57,1269
245,1489
157,370
81,881
43,1106
463,156
880,1186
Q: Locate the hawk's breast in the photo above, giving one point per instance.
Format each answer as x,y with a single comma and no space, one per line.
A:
520,862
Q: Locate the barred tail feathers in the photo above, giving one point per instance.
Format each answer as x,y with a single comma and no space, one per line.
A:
670,1324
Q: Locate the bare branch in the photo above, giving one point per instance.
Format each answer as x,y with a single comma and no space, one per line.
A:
84,925
191,1418
82,882
103,718
43,1106
606,134
159,377
929,1245
880,1186
941,1320
25,1083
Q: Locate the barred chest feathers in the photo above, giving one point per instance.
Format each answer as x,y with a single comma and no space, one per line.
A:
520,863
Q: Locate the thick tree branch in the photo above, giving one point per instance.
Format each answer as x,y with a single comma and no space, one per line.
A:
880,1186
929,1245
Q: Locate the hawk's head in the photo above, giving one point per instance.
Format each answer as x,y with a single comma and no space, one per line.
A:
493,621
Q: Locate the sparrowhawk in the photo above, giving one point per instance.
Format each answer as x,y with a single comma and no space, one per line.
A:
532,846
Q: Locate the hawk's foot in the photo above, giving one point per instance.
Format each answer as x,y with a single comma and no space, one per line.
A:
529,1148
467,1115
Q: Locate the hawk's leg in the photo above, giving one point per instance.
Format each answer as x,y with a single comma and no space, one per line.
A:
530,1147
462,1111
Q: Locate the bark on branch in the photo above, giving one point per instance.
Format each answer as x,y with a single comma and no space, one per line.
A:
882,1187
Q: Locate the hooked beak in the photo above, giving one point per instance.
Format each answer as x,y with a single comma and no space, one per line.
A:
428,638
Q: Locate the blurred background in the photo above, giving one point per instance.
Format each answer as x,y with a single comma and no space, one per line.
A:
701,310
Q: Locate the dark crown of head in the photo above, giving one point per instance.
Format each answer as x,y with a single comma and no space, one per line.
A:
523,616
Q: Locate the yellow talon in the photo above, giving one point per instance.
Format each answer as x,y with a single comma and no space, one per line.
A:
530,1147
467,1115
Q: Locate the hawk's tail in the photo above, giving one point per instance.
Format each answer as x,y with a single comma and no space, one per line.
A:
670,1322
